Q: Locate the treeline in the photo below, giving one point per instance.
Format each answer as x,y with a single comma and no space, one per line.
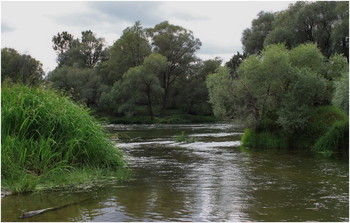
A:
147,71
291,84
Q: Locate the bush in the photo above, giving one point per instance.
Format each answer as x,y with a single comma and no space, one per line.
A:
263,140
43,132
336,140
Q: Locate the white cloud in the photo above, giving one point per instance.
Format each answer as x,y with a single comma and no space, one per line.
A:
29,26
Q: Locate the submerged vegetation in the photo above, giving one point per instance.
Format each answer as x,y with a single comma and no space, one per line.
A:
184,138
44,133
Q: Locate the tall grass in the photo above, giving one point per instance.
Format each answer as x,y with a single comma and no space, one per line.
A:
43,132
263,140
336,140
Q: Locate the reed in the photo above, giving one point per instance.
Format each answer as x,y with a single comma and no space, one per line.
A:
43,132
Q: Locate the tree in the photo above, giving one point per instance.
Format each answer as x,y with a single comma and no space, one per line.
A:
280,85
178,45
324,23
87,52
91,48
220,90
81,83
234,62
62,42
128,51
253,38
191,90
20,68
138,85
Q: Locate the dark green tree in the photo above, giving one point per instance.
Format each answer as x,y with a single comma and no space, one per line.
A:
325,23
234,62
178,45
80,83
128,51
20,68
87,52
253,38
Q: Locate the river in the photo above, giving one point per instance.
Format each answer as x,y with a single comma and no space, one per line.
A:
211,179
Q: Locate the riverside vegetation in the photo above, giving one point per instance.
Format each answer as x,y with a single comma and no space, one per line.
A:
290,87
47,139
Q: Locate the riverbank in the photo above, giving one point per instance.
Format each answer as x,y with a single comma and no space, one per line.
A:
326,133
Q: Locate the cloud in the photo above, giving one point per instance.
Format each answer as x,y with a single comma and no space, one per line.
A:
146,12
188,16
212,48
6,28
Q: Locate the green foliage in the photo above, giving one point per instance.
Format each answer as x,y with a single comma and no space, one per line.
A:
341,94
325,23
281,95
220,90
336,139
80,83
20,68
263,140
307,56
87,52
128,51
336,67
184,138
191,90
43,132
253,38
178,45
234,63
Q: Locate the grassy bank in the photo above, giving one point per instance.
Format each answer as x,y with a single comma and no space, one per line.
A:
44,134
327,132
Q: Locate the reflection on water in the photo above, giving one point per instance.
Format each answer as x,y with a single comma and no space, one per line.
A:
208,180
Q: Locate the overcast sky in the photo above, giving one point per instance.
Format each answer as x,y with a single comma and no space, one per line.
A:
29,27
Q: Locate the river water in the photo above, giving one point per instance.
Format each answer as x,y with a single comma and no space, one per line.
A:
211,179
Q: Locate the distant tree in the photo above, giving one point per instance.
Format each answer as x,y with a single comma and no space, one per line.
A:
280,85
324,23
87,52
178,45
62,42
234,62
253,38
139,85
128,51
20,68
192,93
80,83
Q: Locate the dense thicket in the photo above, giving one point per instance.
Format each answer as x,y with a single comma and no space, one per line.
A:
279,92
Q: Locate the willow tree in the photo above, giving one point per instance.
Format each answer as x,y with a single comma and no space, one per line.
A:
179,46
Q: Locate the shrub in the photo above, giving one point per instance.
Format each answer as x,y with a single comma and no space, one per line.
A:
336,139
263,140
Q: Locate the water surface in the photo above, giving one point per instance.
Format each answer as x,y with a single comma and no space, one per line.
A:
211,179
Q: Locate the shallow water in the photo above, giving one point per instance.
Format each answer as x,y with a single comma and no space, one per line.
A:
211,179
